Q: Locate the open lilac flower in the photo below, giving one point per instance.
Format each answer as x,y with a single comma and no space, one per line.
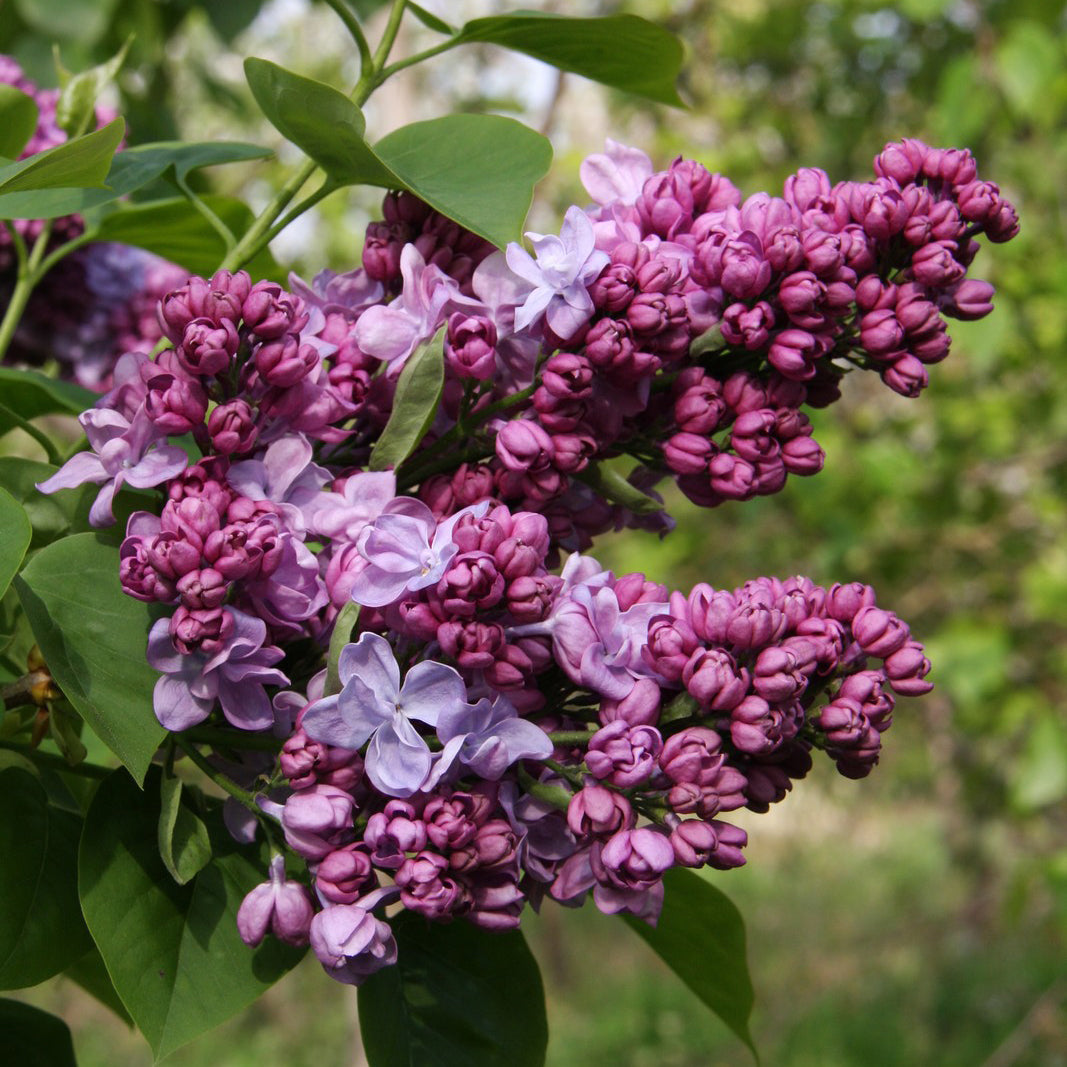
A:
122,452
406,549
564,267
373,706
343,515
234,676
350,942
488,737
616,176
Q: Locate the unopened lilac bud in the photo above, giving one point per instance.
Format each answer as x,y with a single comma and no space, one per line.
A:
523,445
906,375
715,680
935,265
203,589
907,668
201,630
970,299
613,290
902,161
793,354
622,754
748,327
640,707
427,888
285,361
318,820
344,874
688,453
270,312
803,456
599,811
879,633
282,907
880,332
232,428
393,832
802,295
175,405
697,842
759,728
731,476
692,755
637,859
844,601
665,205
206,348
470,351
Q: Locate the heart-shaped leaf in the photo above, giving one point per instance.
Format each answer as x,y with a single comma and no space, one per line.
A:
41,928
172,951
93,638
457,996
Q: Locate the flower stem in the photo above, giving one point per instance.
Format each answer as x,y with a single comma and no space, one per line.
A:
242,796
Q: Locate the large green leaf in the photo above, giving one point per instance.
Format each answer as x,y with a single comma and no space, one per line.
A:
91,974
418,393
175,230
131,169
52,515
18,120
81,161
319,120
41,927
93,638
31,394
701,937
173,951
458,996
15,535
33,1038
623,51
477,169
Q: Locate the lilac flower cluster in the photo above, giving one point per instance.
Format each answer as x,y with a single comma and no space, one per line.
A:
96,303
492,732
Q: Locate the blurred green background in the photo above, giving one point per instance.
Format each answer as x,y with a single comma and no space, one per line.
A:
919,917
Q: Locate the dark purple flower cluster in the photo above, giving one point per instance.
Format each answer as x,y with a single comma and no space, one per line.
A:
494,733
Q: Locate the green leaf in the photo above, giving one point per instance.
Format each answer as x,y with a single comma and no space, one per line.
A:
623,51
701,937
175,230
76,106
344,624
31,394
33,1038
418,394
50,516
93,638
18,120
321,121
15,535
457,996
84,21
479,170
612,486
41,928
81,161
131,169
429,19
91,974
184,845
173,952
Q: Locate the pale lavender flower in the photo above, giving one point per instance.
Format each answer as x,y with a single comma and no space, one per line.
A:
373,707
282,907
285,475
234,676
559,277
616,176
343,515
350,942
122,452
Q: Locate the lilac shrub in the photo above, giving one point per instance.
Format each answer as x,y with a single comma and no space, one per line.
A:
503,721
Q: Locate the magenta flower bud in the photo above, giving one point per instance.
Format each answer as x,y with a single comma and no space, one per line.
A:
282,907
523,445
597,810
382,244
753,625
748,327
752,436
609,342
665,205
425,886
306,763
714,680
1003,224
474,645
174,404
568,376
342,875
171,555
206,348
216,302
777,675
844,601
622,754
496,901
902,161
670,644
823,254
953,165
270,312
731,476
657,314
472,583
692,755
393,832
614,288
793,354
232,428
700,408
203,589
452,822
934,265
688,453
640,707
867,689
880,332
879,633
470,350
139,578
906,375
906,669
803,456
318,820
637,859
285,361
806,187
970,299
712,842
205,631
744,392
744,271
710,611
759,728
879,208
802,295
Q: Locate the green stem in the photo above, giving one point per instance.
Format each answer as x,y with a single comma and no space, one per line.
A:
402,64
57,763
340,9
571,737
39,436
297,210
212,219
242,796
385,45
28,277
